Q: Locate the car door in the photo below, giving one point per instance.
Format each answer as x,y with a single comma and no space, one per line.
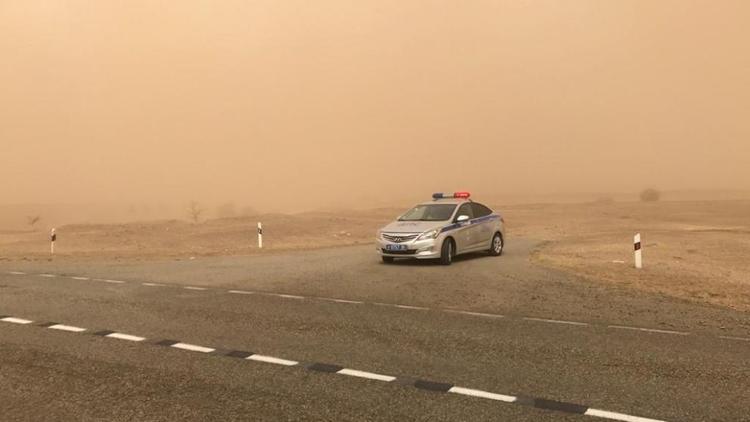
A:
463,237
484,226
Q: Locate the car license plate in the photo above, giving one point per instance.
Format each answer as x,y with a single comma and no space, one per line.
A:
396,247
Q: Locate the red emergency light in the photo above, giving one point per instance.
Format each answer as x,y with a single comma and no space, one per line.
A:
463,195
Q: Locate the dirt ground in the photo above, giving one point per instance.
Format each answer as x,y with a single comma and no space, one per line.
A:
698,250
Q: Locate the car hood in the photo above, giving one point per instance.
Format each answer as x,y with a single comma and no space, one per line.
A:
413,226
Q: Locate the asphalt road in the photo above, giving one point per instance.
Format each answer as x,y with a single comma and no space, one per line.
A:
498,325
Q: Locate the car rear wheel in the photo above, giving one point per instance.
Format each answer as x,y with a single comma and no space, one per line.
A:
387,259
447,252
496,247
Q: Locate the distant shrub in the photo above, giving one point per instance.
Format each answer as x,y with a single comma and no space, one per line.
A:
650,195
194,211
32,220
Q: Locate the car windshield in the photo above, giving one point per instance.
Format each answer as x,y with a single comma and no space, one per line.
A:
429,212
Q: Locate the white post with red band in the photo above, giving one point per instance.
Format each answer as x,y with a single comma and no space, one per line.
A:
52,238
637,249
260,235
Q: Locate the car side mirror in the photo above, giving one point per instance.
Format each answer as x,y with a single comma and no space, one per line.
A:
462,218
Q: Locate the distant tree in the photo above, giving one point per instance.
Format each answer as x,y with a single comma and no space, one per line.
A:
32,220
227,210
650,195
195,211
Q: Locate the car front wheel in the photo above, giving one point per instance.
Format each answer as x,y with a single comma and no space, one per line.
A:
446,252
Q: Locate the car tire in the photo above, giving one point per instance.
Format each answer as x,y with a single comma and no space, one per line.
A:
447,252
497,245
387,259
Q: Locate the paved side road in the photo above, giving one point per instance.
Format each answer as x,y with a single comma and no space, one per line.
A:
649,374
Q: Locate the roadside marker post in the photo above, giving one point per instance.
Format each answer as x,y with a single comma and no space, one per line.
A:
52,238
637,250
260,235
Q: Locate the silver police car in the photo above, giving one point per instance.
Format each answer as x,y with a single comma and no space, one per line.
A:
450,225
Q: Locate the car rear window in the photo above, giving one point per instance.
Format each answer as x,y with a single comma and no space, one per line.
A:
480,210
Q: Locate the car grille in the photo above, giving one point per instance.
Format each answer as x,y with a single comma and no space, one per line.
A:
399,238
406,252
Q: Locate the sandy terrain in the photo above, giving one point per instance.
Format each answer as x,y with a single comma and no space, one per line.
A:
698,251
692,250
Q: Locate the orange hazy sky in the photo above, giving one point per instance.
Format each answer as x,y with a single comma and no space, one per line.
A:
301,102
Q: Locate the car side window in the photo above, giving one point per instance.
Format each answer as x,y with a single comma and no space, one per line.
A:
465,209
480,210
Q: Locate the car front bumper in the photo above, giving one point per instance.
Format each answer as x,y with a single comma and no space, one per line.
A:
417,249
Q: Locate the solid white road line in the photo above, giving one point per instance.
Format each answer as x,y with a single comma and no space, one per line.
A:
47,275
127,337
16,320
271,359
556,321
648,330
16,272
194,288
240,292
618,416
80,278
63,327
368,375
482,394
192,347
289,296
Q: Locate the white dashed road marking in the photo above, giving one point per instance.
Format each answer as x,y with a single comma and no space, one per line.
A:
192,347
482,394
418,308
479,314
16,320
353,302
288,296
70,328
617,416
368,375
393,305
734,338
113,281
556,321
271,359
419,383
648,330
240,292
127,337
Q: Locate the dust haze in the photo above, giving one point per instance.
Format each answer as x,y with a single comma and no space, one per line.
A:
296,105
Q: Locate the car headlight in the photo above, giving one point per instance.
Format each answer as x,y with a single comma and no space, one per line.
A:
379,234
429,234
